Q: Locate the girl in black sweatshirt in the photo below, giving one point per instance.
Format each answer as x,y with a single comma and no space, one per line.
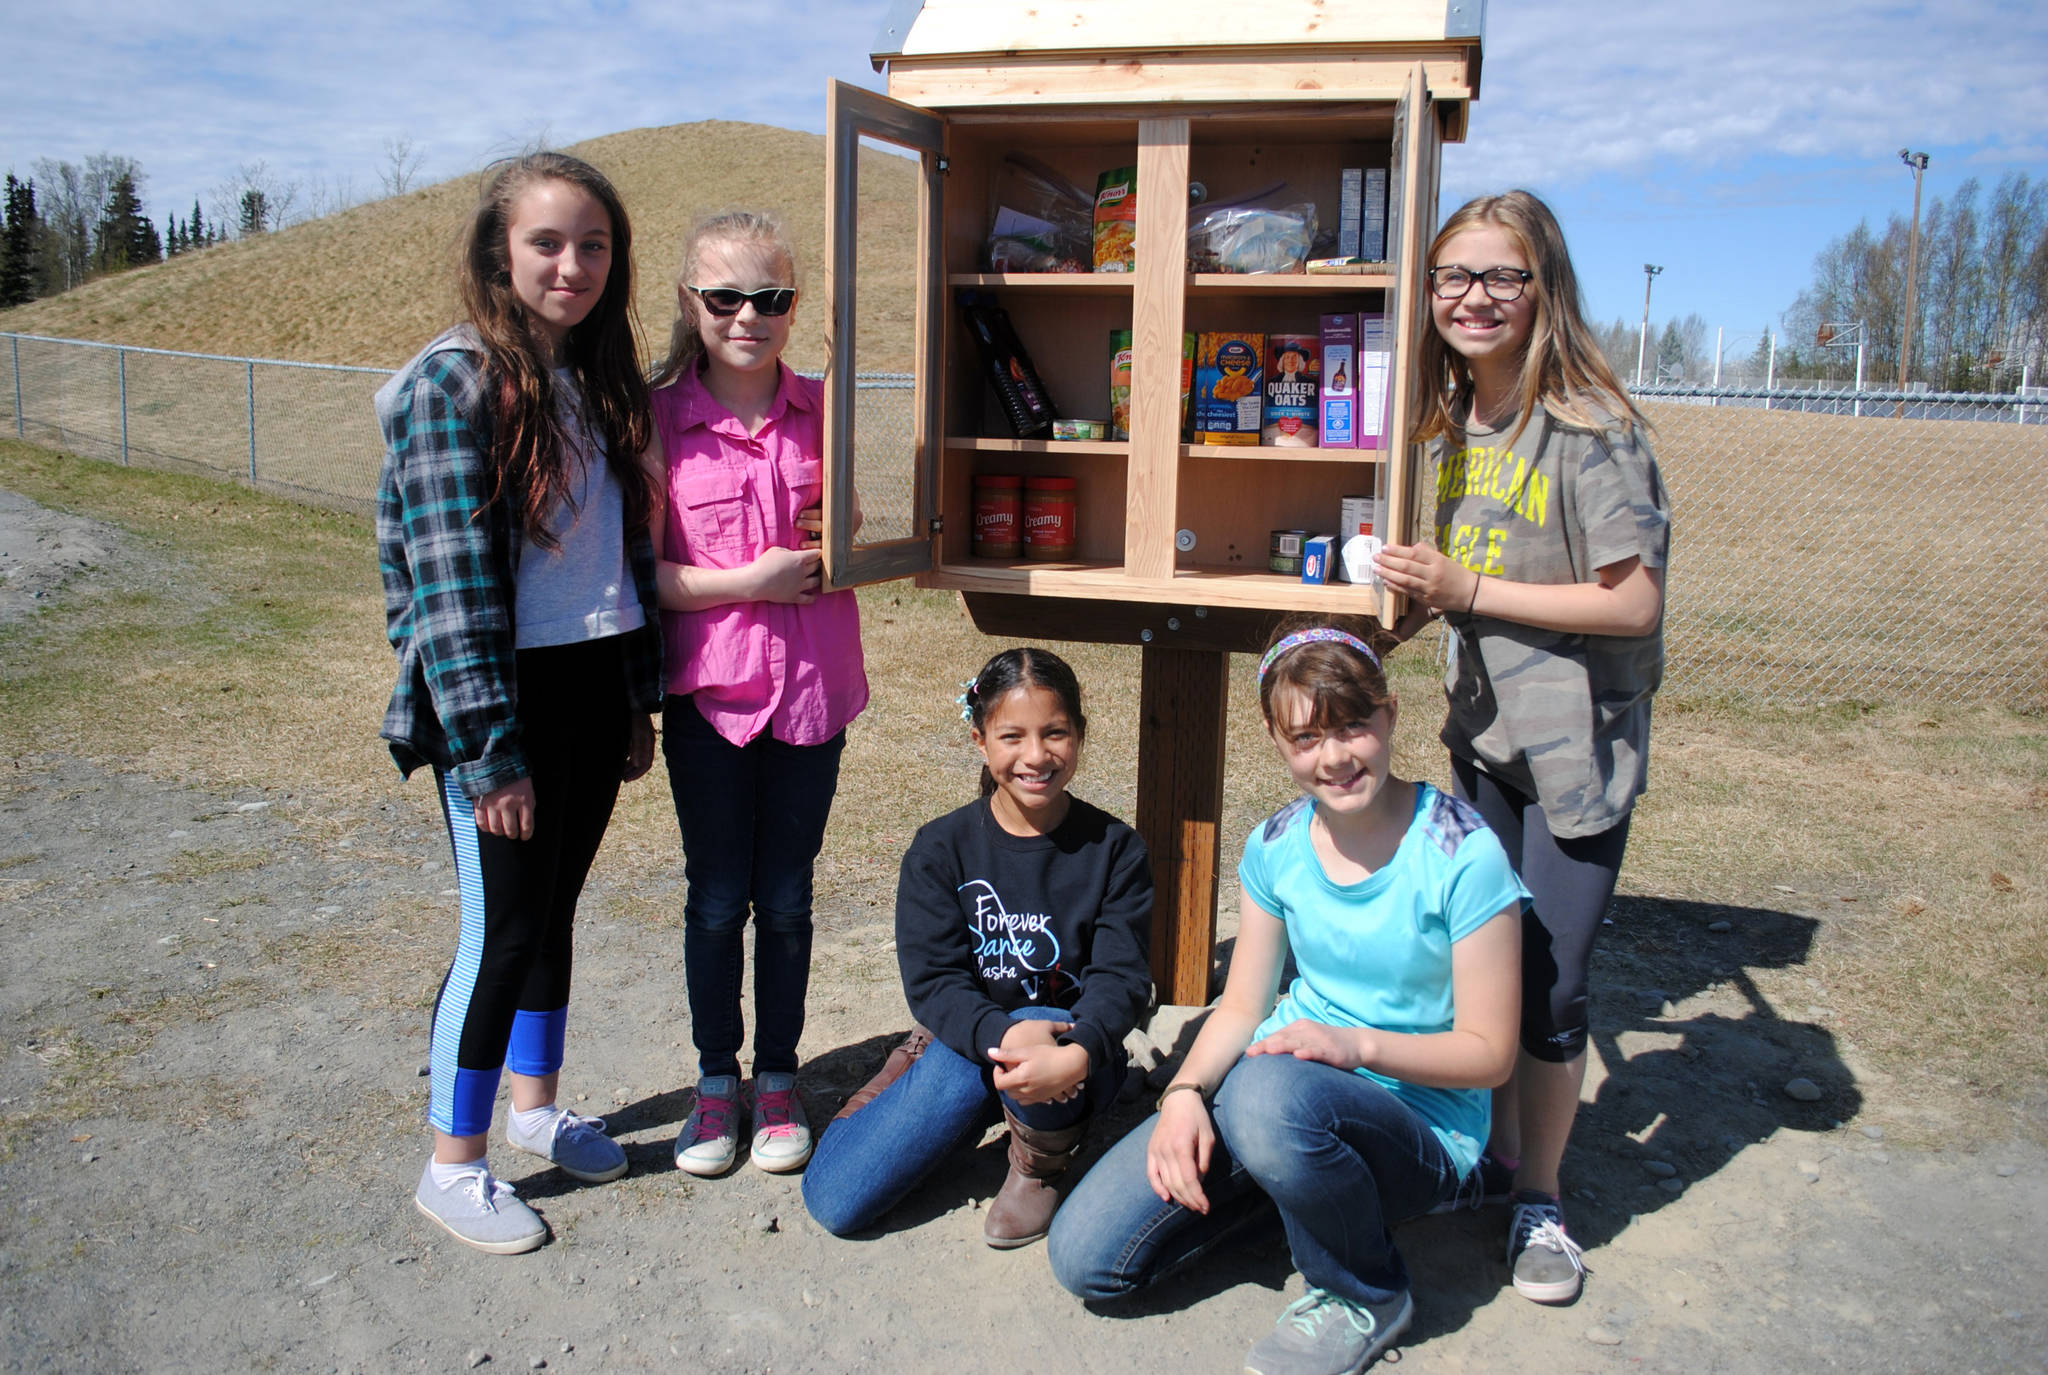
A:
1022,922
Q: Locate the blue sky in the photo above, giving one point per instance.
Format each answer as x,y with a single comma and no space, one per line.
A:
1728,142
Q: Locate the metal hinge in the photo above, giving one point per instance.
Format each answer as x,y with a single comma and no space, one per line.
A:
945,166
938,525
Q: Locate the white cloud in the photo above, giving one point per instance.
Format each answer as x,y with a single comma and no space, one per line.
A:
193,91
1578,90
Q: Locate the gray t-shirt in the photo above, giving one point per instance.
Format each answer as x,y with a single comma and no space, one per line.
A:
1559,717
583,589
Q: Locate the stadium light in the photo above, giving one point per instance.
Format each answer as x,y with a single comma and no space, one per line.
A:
1650,271
1918,162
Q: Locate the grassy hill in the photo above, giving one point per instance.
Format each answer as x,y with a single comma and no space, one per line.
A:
373,283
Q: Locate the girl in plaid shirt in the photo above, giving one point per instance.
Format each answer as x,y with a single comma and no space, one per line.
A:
518,571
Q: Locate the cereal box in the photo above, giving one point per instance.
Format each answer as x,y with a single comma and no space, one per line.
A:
1229,377
1116,220
1292,374
1375,373
1339,397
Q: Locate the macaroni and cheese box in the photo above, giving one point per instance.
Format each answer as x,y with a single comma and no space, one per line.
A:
1229,379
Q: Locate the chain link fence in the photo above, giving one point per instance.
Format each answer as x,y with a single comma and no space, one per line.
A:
1827,545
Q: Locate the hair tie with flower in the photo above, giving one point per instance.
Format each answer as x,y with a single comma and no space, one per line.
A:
966,700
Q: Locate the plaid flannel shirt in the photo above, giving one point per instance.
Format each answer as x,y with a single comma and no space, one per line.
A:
449,557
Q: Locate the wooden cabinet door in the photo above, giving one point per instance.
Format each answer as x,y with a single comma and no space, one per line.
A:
1413,187
899,496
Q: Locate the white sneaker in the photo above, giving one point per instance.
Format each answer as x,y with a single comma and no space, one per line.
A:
782,1134
481,1210
710,1139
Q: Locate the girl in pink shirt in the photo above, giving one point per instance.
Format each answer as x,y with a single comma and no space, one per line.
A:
763,674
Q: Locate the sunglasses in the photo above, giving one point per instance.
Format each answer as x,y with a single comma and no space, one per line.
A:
727,300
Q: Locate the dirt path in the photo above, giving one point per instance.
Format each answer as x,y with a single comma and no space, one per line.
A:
213,1018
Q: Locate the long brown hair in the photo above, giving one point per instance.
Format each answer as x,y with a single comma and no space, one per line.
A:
529,448
755,227
1563,370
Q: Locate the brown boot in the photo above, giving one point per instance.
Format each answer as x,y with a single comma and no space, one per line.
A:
899,1061
1022,1210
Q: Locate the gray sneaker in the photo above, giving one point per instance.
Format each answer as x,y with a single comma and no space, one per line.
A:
577,1145
1321,1334
1547,1263
481,1211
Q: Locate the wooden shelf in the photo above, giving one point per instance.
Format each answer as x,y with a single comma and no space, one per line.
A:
1113,448
1286,283
1079,283
1193,586
1274,453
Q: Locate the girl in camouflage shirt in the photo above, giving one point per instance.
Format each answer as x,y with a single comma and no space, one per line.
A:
1548,565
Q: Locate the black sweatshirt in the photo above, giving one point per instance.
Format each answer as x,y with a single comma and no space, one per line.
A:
987,922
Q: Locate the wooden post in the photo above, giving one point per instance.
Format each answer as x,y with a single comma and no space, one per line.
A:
1183,697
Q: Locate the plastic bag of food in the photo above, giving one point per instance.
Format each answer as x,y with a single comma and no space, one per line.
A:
1044,223
1252,238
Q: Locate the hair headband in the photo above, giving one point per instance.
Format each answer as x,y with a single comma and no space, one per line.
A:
1321,634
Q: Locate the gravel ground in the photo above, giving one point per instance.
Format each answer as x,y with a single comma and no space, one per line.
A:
213,1021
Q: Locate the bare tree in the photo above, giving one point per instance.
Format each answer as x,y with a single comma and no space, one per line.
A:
255,185
402,159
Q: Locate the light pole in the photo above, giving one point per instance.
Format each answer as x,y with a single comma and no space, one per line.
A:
1918,162
1650,271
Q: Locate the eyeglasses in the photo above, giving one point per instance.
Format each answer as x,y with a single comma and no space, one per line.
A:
1501,283
727,300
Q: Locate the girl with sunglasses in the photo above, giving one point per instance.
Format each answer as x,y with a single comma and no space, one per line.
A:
1552,531
764,673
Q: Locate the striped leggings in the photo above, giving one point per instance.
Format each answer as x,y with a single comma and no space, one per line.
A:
505,1000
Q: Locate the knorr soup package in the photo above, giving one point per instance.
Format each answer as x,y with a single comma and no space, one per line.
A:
1119,384
1116,220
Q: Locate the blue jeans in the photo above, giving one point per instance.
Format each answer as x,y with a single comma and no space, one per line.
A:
753,819
1341,1157
868,1163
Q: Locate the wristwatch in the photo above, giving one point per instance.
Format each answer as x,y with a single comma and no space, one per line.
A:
1177,1087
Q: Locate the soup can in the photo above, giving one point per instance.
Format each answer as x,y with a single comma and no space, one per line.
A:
1283,554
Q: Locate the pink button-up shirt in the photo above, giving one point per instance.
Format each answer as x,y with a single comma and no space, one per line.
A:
794,671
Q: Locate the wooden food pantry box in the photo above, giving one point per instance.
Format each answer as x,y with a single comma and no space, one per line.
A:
1210,102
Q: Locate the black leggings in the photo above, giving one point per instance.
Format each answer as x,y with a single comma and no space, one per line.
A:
1571,881
506,996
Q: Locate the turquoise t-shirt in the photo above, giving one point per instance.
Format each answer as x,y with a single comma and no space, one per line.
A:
1378,953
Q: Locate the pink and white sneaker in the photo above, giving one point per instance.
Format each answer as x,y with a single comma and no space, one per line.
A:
710,1139
782,1134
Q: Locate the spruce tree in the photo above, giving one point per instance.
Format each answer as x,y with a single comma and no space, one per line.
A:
195,228
118,239
173,245
19,241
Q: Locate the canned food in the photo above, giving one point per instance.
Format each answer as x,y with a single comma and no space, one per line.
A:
998,516
1283,554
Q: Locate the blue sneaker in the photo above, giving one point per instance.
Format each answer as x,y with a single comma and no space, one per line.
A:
1321,1334
1489,1182
577,1146
481,1211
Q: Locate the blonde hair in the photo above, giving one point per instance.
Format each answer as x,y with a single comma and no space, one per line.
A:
1563,369
755,228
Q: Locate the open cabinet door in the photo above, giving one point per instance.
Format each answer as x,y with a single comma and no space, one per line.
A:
891,484
1418,166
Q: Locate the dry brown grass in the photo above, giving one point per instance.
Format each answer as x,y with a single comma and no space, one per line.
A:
1911,835
370,285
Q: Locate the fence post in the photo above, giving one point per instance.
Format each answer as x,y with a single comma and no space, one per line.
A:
252,422
121,358
19,432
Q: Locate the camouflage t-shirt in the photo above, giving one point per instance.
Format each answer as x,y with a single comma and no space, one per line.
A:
1559,717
